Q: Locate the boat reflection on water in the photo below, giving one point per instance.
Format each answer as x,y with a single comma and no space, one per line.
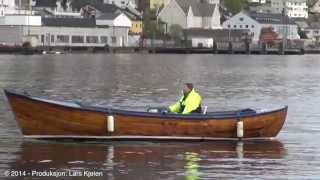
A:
144,160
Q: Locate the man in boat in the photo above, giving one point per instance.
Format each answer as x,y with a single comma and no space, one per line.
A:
189,103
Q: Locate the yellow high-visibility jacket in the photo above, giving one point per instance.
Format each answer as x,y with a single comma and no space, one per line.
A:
187,105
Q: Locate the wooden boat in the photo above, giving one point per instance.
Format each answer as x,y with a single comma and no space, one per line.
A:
42,118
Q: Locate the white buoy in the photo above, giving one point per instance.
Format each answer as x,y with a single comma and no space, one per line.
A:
240,129
110,124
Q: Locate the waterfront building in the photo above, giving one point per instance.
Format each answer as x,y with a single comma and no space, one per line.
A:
191,14
313,31
64,32
293,8
207,37
254,22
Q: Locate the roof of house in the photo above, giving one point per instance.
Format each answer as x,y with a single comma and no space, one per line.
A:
132,13
198,8
109,16
269,18
111,11
301,22
314,25
69,22
311,3
45,3
107,8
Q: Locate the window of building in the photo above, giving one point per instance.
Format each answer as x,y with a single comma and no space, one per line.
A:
234,26
229,26
92,39
104,39
77,39
52,38
42,38
247,26
241,18
114,39
240,26
252,26
62,39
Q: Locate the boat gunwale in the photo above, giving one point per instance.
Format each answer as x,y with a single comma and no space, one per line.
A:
111,111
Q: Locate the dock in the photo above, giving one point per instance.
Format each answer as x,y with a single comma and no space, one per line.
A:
158,50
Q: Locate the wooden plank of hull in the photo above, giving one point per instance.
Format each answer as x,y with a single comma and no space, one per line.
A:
38,118
265,125
41,118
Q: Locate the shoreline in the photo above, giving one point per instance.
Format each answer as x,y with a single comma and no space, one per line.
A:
155,50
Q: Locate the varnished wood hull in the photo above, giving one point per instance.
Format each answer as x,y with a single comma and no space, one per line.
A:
40,118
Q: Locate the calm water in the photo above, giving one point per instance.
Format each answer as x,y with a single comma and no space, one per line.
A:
133,81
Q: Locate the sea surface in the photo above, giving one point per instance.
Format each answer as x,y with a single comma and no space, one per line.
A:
136,81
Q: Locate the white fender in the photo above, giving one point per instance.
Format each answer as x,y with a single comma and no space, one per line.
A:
239,149
240,129
110,123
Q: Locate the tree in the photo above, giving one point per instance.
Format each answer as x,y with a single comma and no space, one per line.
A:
152,27
302,34
235,6
64,4
176,33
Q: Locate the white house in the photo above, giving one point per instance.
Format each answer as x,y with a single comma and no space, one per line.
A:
117,20
284,27
293,8
54,8
122,3
20,20
257,1
191,14
213,1
7,7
